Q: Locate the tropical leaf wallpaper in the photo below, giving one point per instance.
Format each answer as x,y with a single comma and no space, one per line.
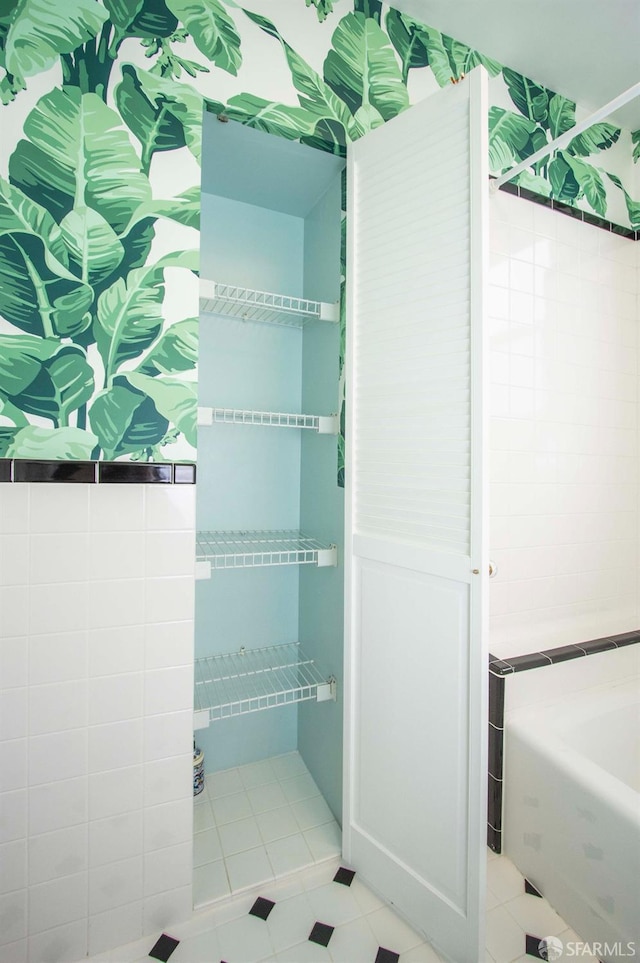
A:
100,185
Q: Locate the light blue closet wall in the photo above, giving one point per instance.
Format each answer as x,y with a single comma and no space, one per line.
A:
322,503
249,477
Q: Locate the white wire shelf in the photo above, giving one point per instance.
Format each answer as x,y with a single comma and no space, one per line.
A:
323,424
249,305
251,680
245,549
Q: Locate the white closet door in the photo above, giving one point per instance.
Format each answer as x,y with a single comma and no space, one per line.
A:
415,775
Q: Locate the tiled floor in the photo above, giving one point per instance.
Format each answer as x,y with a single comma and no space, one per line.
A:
266,859
272,923
256,823
512,914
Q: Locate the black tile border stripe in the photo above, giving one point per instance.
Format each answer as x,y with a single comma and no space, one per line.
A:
569,211
536,660
499,671
18,470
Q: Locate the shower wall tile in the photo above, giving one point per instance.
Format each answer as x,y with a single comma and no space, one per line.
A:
115,839
117,555
563,318
168,824
118,649
126,921
13,663
67,940
60,755
57,657
58,805
168,644
96,655
61,853
168,690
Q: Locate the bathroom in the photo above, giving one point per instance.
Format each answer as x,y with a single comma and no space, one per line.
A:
97,597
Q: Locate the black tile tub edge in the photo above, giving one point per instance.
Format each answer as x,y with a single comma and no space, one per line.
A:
499,670
494,840
26,470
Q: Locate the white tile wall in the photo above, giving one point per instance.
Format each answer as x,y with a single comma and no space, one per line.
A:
96,652
563,330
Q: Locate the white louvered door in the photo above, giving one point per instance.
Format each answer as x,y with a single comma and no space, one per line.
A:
415,783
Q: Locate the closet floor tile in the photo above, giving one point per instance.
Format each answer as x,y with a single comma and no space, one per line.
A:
210,882
300,787
248,869
277,823
229,809
257,774
289,854
288,765
240,836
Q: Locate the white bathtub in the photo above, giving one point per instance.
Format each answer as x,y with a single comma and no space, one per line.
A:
572,811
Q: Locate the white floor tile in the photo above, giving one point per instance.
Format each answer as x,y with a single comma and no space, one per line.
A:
505,939
290,922
312,812
334,903
534,915
392,932
319,875
229,809
324,841
257,774
353,942
289,854
264,798
299,787
367,901
210,882
224,783
277,823
240,836
287,887
248,869
198,949
422,954
206,847
503,879
203,817
244,939
289,765
305,953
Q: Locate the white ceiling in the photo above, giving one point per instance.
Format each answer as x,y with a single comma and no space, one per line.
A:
587,50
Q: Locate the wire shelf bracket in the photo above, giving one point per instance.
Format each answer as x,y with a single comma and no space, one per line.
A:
251,680
249,305
252,549
323,424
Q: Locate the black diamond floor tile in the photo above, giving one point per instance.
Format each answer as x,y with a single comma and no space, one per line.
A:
321,933
344,876
530,888
164,947
261,908
386,956
533,945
